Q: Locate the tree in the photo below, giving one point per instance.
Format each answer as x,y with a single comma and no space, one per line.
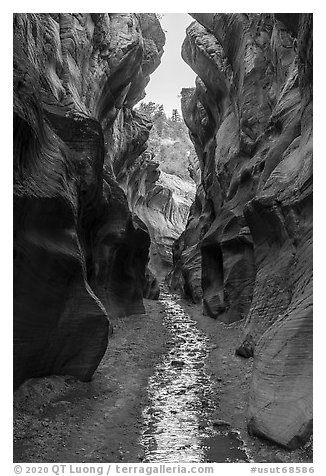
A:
159,112
169,140
175,115
147,108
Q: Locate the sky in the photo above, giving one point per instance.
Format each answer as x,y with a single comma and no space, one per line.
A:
173,74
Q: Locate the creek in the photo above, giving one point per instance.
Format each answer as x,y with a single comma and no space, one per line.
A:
181,421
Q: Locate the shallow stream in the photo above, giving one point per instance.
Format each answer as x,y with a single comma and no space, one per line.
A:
181,422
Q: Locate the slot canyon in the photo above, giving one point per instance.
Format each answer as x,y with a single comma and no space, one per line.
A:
162,305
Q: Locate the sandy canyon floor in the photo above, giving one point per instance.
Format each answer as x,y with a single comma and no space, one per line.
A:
169,389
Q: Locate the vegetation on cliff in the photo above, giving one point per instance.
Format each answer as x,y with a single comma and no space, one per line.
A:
169,140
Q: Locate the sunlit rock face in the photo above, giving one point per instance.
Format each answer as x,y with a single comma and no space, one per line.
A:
162,201
185,276
247,247
80,254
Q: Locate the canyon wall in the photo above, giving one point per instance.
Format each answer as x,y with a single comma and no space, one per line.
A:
162,201
80,254
247,248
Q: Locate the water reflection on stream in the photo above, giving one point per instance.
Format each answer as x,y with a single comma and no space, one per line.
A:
178,420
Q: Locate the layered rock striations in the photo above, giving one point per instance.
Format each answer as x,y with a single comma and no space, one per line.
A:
80,254
162,201
246,251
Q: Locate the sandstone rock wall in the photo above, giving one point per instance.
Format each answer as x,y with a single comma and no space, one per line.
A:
247,247
80,254
162,201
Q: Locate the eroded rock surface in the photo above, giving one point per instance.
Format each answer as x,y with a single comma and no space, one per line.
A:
162,201
80,254
247,247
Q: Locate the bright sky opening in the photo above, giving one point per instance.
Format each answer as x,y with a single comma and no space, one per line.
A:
173,74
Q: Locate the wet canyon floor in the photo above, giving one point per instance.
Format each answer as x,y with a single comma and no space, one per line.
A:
169,389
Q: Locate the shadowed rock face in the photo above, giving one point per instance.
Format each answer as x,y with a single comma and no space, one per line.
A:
80,254
247,247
